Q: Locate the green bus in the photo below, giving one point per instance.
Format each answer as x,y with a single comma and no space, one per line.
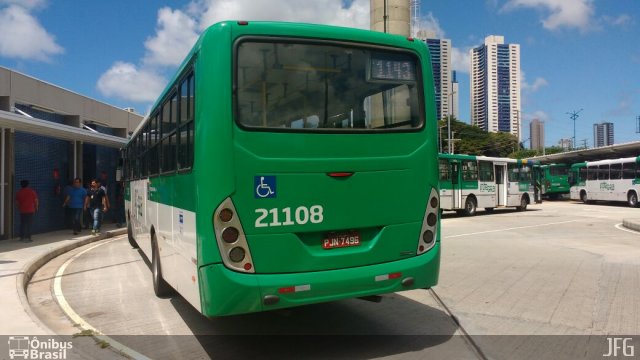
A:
555,180
468,182
288,164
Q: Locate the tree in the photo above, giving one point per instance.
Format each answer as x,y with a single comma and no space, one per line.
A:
475,141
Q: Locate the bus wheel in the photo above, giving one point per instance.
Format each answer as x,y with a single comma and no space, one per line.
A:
132,240
160,287
523,204
583,197
632,199
470,206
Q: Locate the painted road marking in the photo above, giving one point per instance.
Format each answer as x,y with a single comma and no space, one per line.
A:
57,292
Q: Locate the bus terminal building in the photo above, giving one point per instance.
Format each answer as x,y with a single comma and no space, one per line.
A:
49,135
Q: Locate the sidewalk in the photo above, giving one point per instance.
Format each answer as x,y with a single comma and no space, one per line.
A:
19,261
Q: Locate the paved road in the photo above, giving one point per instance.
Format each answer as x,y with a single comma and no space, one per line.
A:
559,268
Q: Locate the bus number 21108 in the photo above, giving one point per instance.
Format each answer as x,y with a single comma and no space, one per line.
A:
301,216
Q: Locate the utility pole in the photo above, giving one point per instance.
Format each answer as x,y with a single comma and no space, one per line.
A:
574,116
584,144
451,142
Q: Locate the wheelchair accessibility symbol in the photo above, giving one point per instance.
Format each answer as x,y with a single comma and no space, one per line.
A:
265,187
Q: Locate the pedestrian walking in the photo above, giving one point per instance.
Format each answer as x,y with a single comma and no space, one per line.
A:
27,202
97,204
75,202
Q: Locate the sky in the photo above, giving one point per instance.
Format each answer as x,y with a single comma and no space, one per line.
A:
576,55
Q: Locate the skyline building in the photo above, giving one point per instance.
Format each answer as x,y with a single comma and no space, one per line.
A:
440,51
536,130
602,134
565,144
495,86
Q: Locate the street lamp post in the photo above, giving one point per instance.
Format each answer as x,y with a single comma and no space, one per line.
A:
449,123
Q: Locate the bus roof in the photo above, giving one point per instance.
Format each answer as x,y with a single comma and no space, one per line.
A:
613,161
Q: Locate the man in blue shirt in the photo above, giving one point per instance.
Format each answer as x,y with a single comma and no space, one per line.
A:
75,201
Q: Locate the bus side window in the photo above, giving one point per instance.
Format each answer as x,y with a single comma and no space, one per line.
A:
629,170
486,171
445,175
603,172
615,172
592,173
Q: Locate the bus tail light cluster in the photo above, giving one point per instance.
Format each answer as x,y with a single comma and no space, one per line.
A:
232,242
429,229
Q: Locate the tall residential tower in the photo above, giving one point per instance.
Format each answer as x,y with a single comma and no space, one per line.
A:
440,50
602,134
495,86
536,131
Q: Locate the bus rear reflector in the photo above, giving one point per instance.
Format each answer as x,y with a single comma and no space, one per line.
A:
388,276
340,174
294,289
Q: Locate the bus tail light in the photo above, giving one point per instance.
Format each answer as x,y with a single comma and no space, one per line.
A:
429,223
232,242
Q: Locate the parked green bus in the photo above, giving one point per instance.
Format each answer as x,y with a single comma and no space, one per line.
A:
468,182
555,180
288,164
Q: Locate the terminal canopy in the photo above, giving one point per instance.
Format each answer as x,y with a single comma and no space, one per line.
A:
59,131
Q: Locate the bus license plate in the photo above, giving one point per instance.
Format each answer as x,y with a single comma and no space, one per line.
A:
341,239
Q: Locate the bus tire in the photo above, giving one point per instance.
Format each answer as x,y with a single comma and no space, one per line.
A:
632,199
132,240
523,204
470,206
583,197
160,287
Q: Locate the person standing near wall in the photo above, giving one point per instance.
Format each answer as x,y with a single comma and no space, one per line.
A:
27,202
75,202
96,201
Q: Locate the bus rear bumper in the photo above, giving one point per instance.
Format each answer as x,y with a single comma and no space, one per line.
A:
225,292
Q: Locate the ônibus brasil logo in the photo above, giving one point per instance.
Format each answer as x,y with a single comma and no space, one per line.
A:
25,347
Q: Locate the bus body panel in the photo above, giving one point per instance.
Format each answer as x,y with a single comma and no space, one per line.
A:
236,293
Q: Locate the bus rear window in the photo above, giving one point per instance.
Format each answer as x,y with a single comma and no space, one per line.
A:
306,86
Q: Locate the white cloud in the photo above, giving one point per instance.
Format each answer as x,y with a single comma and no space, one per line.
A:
176,33
22,36
562,13
329,12
621,20
26,4
461,60
537,83
177,30
540,115
429,27
125,81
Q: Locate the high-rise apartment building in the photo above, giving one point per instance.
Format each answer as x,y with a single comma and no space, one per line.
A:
565,144
602,134
495,86
536,131
440,50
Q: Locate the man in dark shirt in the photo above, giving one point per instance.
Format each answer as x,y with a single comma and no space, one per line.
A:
97,204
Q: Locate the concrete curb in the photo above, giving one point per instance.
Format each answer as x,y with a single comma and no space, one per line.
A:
631,224
22,279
